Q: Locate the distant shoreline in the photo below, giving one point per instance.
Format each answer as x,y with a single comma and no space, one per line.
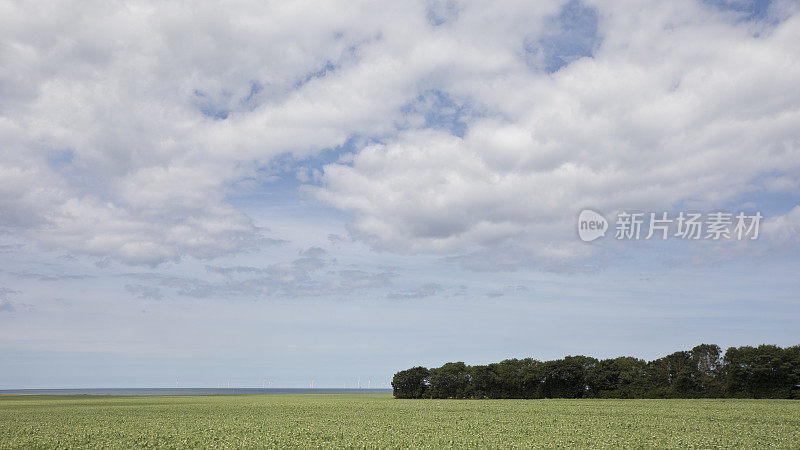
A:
190,391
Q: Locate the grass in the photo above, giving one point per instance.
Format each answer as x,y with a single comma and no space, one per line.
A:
379,421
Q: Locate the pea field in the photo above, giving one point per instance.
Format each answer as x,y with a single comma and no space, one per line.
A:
380,421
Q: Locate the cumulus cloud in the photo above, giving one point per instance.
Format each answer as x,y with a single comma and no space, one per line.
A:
125,126
679,105
478,129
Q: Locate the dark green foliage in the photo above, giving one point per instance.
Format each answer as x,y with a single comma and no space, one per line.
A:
566,378
485,381
616,378
412,383
706,366
670,376
766,371
451,381
517,378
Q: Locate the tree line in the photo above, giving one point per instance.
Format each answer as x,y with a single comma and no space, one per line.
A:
766,371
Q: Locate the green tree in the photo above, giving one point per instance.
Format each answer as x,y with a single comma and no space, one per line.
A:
766,371
706,367
411,383
671,376
452,380
621,377
485,382
566,378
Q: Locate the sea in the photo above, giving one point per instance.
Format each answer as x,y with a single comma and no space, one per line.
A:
189,391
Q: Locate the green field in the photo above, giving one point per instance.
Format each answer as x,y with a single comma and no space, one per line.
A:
379,421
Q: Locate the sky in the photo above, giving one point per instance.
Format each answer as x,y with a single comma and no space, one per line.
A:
205,194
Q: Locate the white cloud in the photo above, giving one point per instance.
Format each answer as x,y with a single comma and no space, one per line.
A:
678,106
125,127
784,230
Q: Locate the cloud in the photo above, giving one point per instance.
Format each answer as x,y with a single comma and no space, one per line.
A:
517,289
28,274
677,106
777,237
426,290
125,128
144,292
784,231
768,11
128,129
313,274
7,306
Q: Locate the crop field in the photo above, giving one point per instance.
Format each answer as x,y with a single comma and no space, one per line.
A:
379,421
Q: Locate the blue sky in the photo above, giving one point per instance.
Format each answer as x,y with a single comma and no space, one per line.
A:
213,195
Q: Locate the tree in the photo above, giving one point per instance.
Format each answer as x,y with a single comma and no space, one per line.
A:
517,378
706,367
411,383
566,378
671,376
621,377
532,375
452,380
485,382
509,378
766,371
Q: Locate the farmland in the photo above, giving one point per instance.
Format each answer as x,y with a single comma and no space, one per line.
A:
378,420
